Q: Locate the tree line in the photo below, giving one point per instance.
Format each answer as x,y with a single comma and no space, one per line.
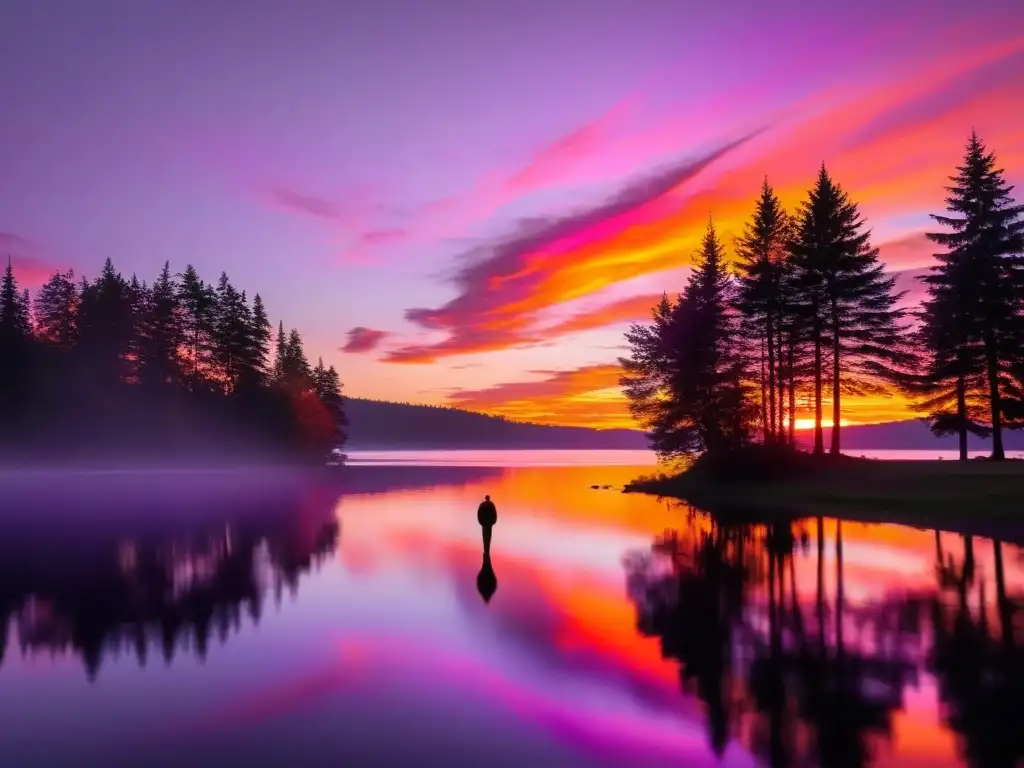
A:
805,313
182,368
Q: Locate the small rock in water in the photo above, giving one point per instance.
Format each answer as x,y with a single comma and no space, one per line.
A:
595,487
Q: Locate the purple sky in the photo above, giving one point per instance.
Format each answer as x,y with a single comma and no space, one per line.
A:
342,158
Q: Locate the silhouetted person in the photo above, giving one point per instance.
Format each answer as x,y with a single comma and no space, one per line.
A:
486,581
487,516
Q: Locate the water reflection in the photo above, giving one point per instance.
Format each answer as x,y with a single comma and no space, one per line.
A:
168,586
486,581
804,644
810,679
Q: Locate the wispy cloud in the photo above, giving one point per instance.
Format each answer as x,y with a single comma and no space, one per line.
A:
584,395
362,339
914,250
633,308
503,286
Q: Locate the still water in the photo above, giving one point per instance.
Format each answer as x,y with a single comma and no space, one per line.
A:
208,619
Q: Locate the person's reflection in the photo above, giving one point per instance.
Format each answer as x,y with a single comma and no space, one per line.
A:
486,581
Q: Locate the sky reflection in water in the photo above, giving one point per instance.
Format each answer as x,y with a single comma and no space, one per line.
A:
349,627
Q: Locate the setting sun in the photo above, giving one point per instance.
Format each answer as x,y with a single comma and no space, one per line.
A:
809,423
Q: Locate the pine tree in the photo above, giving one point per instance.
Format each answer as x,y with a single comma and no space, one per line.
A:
163,333
685,375
232,341
848,302
15,325
280,354
106,323
646,380
15,330
139,300
319,379
198,304
260,334
948,376
763,271
56,310
972,327
297,369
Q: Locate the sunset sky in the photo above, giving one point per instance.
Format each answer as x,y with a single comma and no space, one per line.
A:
468,202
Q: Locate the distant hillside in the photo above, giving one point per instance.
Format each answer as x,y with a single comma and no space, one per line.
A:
376,425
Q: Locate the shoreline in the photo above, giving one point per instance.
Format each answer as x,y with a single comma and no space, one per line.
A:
976,498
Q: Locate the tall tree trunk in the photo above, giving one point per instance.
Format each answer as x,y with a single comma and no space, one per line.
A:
781,424
835,382
961,413
765,430
819,440
998,454
791,370
770,329
781,378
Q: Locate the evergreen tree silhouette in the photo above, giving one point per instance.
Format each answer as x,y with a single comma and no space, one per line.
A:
327,385
646,380
849,303
15,354
972,326
233,343
686,375
139,300
763,283
56,310
280,354
296,365
199,304
106,324
162,332
155,371
259,336
15,324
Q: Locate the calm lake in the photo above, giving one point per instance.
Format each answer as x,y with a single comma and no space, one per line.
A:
212,619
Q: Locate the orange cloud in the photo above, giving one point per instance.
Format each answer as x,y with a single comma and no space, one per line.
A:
892,146
631,309
503,288
581,397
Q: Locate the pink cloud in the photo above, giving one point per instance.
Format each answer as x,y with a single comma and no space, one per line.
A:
503,286
911,251
362,339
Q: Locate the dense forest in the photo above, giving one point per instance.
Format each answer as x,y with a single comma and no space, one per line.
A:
114,370
805,313
380,425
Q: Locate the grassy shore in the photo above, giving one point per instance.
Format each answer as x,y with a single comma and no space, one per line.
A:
979,497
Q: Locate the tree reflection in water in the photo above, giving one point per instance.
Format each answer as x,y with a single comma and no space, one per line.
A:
801,684
170,591
980,667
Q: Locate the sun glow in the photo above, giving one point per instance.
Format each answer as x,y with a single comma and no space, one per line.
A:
809,423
